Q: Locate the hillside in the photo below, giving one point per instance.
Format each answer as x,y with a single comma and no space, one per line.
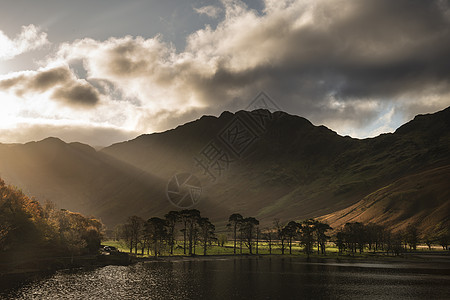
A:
421,199
296,170
76,177
290,170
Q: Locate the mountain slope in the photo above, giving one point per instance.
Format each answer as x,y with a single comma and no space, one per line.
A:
290,170
421,199
296,170
78,178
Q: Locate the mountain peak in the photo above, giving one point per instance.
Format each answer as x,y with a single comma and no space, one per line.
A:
430,124
48,141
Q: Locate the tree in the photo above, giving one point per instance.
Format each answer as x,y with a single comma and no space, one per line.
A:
172,218
443,240
258,233
340,241
290,231
132,232
355,236
93,236
189,219
281,234
207,232
72,239
396,243
26,226
222,239
268,235
307,235
412,236
184,216
321,229
248,228
4,230
234,221
429,240
156,229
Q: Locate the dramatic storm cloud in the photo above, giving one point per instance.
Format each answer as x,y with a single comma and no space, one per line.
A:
359,67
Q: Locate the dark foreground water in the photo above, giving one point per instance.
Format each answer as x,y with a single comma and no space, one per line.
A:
243,278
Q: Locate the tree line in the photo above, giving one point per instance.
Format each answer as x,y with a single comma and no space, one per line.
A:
355,237
157,235
31,230
187,229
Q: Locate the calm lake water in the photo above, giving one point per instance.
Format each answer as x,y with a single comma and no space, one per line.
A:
243,278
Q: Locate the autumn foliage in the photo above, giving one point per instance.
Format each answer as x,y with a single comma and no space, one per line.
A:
31,230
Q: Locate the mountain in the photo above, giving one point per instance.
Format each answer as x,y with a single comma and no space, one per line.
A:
76,177
262,164
294,170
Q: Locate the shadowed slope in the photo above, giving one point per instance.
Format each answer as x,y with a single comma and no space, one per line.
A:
421,199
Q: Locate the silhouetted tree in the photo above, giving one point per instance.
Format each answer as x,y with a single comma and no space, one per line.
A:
340,241
172,218
248,227
268,236
133,230
234,222
290,231
191,217
443,240
281,234
156,229
258,232
396,243
307,235
355,236
412,236
207,232
429,240
184,217
322,238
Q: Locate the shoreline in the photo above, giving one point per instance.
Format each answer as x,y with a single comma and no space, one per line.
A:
432,257
410,257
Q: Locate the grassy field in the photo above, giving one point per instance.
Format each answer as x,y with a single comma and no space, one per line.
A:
227,249
263,249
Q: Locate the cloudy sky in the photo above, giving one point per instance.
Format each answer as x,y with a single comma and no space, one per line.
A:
103,71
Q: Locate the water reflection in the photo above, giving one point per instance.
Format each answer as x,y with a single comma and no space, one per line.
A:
242,278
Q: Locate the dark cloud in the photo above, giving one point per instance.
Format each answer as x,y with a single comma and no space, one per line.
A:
331,61
77,94
49,78
351,52
60,80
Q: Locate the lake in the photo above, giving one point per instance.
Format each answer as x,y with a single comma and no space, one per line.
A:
243,278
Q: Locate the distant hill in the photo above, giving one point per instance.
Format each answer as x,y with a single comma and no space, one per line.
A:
290,170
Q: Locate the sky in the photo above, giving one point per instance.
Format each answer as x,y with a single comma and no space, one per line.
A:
104,71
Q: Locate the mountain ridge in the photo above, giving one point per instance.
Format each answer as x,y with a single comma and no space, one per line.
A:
292,170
